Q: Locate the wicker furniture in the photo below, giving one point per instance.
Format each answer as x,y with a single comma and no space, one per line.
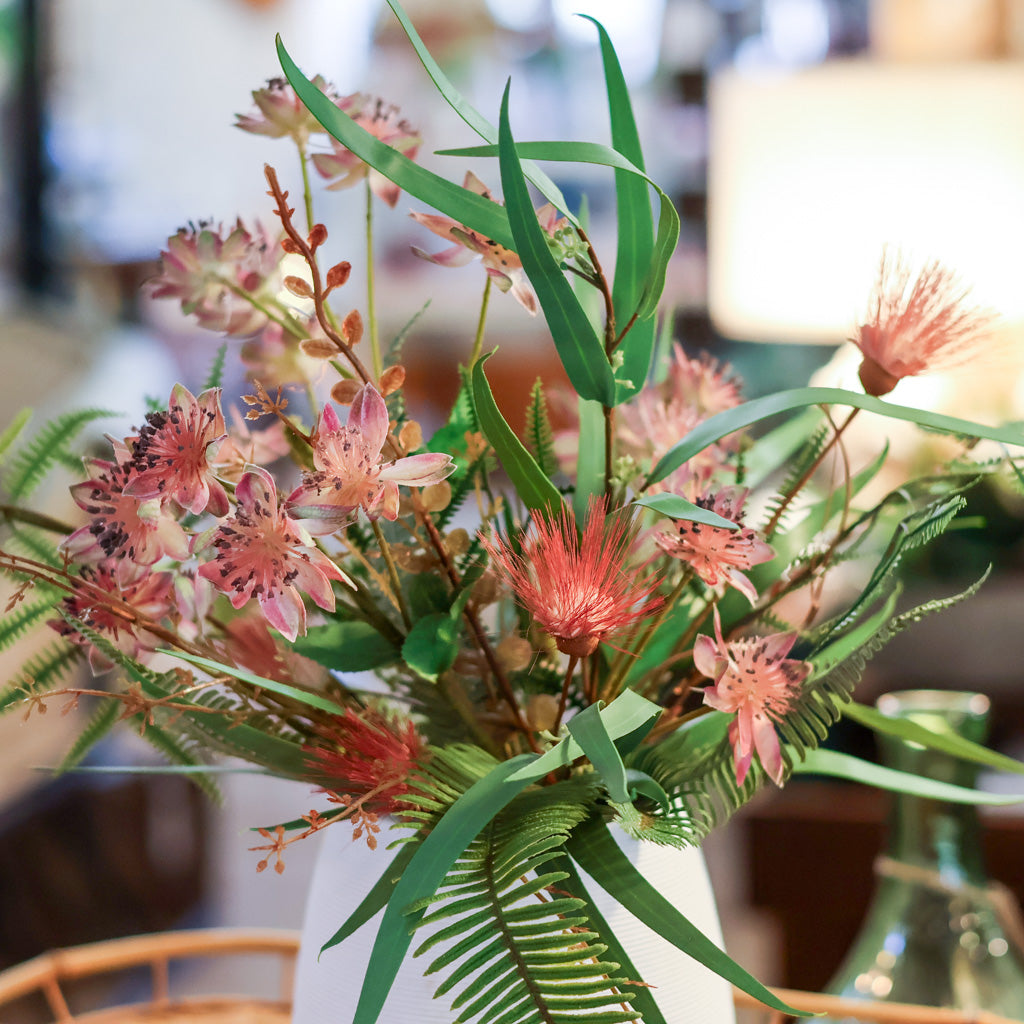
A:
52,976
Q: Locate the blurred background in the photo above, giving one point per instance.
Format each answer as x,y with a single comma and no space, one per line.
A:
797,137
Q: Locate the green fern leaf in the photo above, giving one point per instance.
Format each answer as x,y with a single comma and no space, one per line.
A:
100,723
178,752
47,448
215,375
540,439
21,619
13,431
41,672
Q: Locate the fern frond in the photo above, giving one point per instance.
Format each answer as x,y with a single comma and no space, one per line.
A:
215,375
13,431
178,752
21,619
540,438
43,671
47,448
103,719
797,469
36,544
515,949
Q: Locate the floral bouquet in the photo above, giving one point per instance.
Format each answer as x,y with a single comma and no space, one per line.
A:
630,622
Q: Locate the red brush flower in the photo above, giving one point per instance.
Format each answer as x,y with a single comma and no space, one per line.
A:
915,327
367,755
578,588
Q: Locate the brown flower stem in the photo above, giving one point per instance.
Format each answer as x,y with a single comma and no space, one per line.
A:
301,246
601,282
478,341
371,304
564,698
609,448
769,530
14,514
389,561
475,626
620,666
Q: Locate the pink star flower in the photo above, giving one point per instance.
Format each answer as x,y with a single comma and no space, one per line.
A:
915,327
383,121
349,473
579,588
204,268
262,553
172,456
754,680
150,595
661,414
122,526
715,554
503,265
279,111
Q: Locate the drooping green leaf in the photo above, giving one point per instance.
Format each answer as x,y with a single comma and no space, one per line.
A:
714,428
470,114
432,645
579,348
215,668
677,507
532,485
845,766
589,456
347,646
597,853
588,729
913,732
468,208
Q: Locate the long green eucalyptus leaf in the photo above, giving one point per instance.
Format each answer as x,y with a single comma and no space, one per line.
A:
593,848
675,506
846,766
469,113
468,208
578,346
589,456
313,700
589,730
635,224
724,423
905,729
531,483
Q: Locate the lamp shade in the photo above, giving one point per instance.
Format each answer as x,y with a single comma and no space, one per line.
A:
813,172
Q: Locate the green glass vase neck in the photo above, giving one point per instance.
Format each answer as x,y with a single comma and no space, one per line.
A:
932,835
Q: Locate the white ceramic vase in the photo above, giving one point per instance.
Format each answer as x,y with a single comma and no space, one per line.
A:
327,986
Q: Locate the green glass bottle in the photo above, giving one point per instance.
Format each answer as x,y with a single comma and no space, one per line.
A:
936,932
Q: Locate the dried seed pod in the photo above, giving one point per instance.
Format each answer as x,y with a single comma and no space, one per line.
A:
298,286
338,274
391,380
319,348
352,328
411,436
437,496
345,391
317,236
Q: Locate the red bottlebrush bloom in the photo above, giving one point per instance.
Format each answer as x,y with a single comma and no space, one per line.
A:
715,554
349,472
99,603
367,753
384,122
122,526
262,553
579,589
755,680
171,456
915,327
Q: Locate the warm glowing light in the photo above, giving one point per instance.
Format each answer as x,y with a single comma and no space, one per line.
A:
813,172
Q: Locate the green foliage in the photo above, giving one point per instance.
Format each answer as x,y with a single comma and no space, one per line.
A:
21,619
43,671
215,375
13,431
179,751
102,720
509,945
540,439
46,449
